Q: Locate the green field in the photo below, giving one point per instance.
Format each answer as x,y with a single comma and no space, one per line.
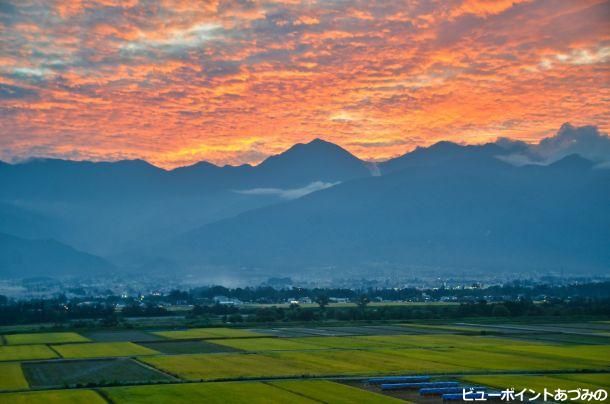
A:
11,377
247,392
209,393
298,344
26,352
330,392
441,355
100,371
187,347
44,338
448,328
365,342
443,341
102,350
368,362
594,379
350,342
221,366
225,358
207,333
122,336
291,363
267,344
566,339
54,397
596,355
471,360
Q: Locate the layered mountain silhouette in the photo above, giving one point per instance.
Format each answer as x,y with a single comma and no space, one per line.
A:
106,208
460,213
313,207
27,258
440,153
297,167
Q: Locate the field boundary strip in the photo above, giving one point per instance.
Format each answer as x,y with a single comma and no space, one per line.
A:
343,376
337,377
60,356
538,329
175,378
168,339
103,395
61,343
296,393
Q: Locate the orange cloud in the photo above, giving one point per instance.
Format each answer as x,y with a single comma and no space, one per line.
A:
177,81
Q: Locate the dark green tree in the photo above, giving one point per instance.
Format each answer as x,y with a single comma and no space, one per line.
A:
322,301
362,301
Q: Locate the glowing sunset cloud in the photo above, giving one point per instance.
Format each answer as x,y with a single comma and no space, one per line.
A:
178,81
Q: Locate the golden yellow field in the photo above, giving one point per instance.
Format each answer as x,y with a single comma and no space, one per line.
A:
299,392
53,397
44,338
11,377
148,373
25,352
102,349
207,333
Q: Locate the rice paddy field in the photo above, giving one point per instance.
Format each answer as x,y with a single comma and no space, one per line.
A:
187,347
98,371
102,350
122,336
297,365
316,391
44,338
12,377
207,333
54,397
26,352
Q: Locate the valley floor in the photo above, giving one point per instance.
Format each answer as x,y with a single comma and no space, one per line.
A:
300,364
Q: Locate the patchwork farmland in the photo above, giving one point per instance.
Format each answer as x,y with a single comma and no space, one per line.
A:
300,365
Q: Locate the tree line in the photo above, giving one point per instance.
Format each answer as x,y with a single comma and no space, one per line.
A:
54,311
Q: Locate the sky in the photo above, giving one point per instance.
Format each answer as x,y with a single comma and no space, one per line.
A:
178,81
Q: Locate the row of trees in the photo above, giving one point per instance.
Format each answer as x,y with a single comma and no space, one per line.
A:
50,311
61,309
519,308
511,290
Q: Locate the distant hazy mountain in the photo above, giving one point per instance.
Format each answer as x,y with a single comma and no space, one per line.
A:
106,208
457,208
304,163
441,152
316,206
25,223
298,166
63,180
25,258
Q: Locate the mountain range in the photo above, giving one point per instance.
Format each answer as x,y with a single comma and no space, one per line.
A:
311,208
